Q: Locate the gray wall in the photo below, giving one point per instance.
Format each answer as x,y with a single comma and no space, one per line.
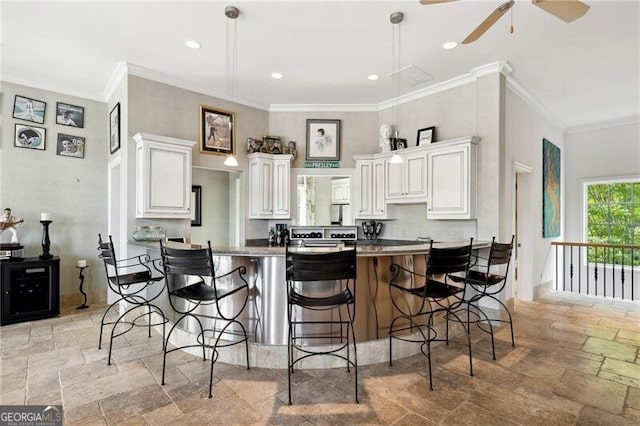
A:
166,110
510,129
73,190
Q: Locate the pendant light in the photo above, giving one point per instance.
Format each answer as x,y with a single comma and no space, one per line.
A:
232,13
396,19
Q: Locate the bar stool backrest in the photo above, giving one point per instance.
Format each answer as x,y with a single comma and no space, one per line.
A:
178,263
449,260
499,254
334,265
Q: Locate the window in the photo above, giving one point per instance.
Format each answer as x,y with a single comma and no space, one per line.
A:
613,217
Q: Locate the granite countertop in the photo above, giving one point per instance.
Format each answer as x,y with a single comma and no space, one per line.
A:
261,248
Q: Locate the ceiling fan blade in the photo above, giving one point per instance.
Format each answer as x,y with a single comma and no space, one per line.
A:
435,1
567,10
487,23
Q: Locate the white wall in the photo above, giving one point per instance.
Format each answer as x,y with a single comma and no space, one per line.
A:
73,190
597,154
525,127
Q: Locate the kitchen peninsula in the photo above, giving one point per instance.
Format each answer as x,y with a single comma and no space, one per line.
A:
265,316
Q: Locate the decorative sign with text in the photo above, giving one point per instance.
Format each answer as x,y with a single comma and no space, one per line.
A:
321,164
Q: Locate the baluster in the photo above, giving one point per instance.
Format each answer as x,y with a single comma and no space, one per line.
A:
556,268
571,268
579,270
613,273
604,271
587,270
622,279
595,270
632,275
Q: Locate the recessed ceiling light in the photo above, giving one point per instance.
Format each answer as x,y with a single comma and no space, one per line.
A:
276,75
449,45
192,44
373,77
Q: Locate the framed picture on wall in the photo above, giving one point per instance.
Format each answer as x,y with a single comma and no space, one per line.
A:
114,128
196,205
30,137
70,146
29,109
323,140
69,115
426,136
216,131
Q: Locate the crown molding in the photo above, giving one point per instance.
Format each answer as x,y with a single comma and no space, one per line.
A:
66,91
501,67
520,91
323,107
119,73
602,125
138,71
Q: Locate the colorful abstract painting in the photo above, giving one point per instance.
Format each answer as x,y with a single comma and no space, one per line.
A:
550,190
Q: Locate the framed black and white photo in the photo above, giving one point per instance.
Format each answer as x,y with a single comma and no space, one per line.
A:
30,137
323,140
426,136
69,115
70,146
196,205
29,109
216,131
114,128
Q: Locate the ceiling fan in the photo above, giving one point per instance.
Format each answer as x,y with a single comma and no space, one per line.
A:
567,10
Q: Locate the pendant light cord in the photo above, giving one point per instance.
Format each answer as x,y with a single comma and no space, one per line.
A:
396,60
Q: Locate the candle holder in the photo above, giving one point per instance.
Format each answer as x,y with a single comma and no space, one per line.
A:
81,278
46,243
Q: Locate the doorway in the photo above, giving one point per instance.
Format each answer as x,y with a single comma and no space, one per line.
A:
522,215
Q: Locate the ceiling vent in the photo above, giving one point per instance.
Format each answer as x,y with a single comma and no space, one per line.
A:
411,75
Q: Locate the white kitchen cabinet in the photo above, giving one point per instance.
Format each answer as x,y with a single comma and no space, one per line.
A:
163,177
452,181
406,182
341,191
269,196
371,203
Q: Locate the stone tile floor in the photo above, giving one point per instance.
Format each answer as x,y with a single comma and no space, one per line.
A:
576,361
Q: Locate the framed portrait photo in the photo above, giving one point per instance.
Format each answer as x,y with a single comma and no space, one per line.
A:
216,131
426,136
114,128
70,146
30,137
323,140
69,115
29,109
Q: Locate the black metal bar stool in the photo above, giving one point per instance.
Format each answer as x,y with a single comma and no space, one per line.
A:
419,297
321,295
133,281
488,277
197,291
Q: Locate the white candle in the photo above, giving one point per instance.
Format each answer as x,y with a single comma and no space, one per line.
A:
81,263
45,216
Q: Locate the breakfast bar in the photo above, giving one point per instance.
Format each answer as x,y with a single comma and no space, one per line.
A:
265,315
